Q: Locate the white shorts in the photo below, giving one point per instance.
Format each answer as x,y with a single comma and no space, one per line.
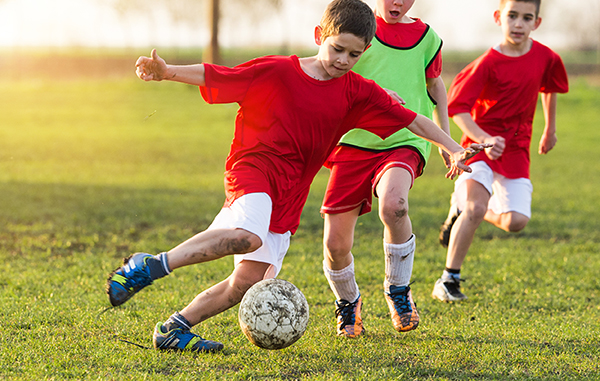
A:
508,195
252,212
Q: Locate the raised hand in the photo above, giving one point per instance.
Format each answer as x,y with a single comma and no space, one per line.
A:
496,148
151,68
446,157
395,96
459,158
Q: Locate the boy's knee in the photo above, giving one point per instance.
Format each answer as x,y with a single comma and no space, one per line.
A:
337,247
477,211
393,211
516,222
244,242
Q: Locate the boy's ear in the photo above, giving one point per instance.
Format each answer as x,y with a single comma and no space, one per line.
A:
538,21
318,35
497,17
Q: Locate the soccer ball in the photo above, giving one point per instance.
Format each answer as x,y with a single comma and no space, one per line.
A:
273,314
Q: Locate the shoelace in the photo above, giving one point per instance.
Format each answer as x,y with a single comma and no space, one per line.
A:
139,279
174,335
346,311
401,301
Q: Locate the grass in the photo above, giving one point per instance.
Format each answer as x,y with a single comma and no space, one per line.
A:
92,170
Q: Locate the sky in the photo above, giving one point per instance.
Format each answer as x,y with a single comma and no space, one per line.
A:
462,24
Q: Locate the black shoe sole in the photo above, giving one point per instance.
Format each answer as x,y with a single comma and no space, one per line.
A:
445,230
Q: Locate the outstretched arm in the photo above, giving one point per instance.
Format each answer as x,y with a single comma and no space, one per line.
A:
548,140
154,68
429,131
437,90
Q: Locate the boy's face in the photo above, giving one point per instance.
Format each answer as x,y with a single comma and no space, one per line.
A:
339,53
393,11
517,19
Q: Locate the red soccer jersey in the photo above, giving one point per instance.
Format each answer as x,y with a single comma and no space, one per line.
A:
287,125
501,93
406,36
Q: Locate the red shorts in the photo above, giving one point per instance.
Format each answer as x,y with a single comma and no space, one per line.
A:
355,174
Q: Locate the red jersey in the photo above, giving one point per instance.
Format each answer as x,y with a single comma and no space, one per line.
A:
406,36
287,125
501,93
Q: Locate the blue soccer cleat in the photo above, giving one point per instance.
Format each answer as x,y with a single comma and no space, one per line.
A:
348,316
179,339
128,279
402,307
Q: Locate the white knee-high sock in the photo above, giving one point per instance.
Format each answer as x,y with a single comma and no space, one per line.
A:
399,260
342,282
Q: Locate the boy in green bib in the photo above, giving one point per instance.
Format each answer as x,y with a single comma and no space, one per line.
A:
405,57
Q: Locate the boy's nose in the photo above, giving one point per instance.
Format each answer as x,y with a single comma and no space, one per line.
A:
343,59
519,22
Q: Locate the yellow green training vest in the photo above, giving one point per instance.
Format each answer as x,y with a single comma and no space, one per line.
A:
403,71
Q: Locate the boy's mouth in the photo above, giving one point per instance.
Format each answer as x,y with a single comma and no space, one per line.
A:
394,13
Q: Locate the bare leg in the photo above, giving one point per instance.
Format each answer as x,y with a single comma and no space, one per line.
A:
399,247
225,294
213,244
338,267
509,222
392,189
467,223
338,238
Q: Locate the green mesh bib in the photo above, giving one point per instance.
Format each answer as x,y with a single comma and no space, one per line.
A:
403,71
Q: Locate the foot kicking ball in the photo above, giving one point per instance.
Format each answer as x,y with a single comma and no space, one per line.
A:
273,314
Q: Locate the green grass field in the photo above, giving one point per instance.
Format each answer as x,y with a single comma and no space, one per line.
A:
93,170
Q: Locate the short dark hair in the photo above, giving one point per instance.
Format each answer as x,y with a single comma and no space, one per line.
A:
349,16
537,3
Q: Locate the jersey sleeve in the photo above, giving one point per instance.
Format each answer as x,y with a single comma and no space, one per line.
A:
555,79
434,69
227,85
466,87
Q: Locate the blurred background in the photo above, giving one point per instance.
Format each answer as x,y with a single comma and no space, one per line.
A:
229,31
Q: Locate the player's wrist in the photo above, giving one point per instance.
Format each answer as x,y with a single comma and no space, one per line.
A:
169,72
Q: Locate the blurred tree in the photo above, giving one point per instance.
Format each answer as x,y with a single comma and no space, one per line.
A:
254,8
188,11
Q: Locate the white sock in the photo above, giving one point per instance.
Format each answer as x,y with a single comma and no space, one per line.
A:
447,276
399,260
342,282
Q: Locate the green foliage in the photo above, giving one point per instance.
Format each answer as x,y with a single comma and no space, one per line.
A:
91,171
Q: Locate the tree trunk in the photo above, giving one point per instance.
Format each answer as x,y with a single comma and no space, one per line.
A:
212,54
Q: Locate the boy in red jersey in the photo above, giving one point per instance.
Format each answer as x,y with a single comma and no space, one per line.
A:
292,113
493,100
405,57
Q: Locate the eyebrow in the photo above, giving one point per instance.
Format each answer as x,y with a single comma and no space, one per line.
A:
525,14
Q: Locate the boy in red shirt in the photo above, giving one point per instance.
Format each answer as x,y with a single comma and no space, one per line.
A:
405,56
493,100
292,113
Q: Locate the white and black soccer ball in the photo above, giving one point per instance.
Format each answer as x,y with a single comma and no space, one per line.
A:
273,314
